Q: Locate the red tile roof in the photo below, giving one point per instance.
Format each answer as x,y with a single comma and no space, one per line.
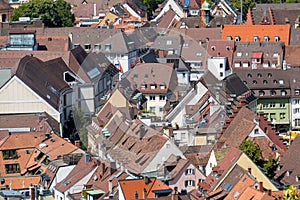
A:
247,32
21,182
144,190
257,55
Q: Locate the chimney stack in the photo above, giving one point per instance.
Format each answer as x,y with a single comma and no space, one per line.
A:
110,186
136,195
261,188
142,132
147,180
32,192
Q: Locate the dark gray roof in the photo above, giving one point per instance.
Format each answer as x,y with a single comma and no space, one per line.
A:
44,78
295,36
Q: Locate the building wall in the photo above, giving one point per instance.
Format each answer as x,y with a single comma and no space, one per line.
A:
276,110
212,161
295,113
182,177
245,162
217,66
157,104
61,174
16,97
165,152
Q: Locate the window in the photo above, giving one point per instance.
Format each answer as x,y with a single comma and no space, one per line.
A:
297,91
265,82
213,48
297,122
189,171
269,75
261,93
163,86
281,82
143,86
282,115
152,109
87,47
276,38
9,154
162,97
161,109
237,38
272,105
97,47
254,82
12,168
282,105
249,75
275,81
76,45
221,74
259,75
283,93
189,183
152,97
256,131
266,38
265,105
239,54
296,101
255,38
273,93
152,86
296,110
185,45
198,54
107,47
169,42
221,65
229,38
227,48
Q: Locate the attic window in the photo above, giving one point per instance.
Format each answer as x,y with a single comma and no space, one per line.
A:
97,47
261,93
152,86
227,48
198,54
169,42
76,45
256,39
237,38
266,38
283,93
269,75
67,183
273,92
49,39
229,38
239,54
162,86
265,82
213,48
281,82
143,86
107,47
276,38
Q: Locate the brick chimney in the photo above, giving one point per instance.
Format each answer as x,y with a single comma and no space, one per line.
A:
261,187
249,170
146,180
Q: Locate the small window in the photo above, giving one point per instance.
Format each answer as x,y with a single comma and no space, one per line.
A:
87,47
265,82
239,54
169,42
107,47
249,75
256,39
198,54
237,38
269,75
76,45
259,75
213,48
283,93
229,38
276,38
282,105
97,47
254,82
281,82
162,97
256,131
221,74
275,81
261,93
152,97
272,105
221,65
273,93
266,38
297,91
227,48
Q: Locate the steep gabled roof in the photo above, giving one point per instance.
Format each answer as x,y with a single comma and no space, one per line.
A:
46,79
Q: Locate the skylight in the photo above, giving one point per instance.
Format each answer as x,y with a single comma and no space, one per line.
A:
93,73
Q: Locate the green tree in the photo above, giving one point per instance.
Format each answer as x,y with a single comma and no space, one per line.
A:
52,13
81,124
291,193
251,149
270,166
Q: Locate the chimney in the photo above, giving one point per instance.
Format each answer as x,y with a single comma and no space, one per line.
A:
142,132
175,190
95,10
110,186
249,170
270,192
261,188
146,180
31,192
77,143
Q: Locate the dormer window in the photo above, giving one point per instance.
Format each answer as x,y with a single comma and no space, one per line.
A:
283,93
169,42
261,93
107,47
276,38
227,48
239,54
256,39
229,38
237,38
266,38
273,93
162,86
213,48
76,45
143,86
152,86
281,82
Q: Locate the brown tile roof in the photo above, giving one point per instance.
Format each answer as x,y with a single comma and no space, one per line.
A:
221,48
22,140
247,32
81,170
202,34
288,171
266,148
251,193
239,128
244,182
53,43
291,55
129,187
167,19
20,182
41,122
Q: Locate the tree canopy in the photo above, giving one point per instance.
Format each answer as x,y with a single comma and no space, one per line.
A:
252,150
52,13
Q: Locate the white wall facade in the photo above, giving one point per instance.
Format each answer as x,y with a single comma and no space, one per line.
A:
295,113
217,66
170,4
